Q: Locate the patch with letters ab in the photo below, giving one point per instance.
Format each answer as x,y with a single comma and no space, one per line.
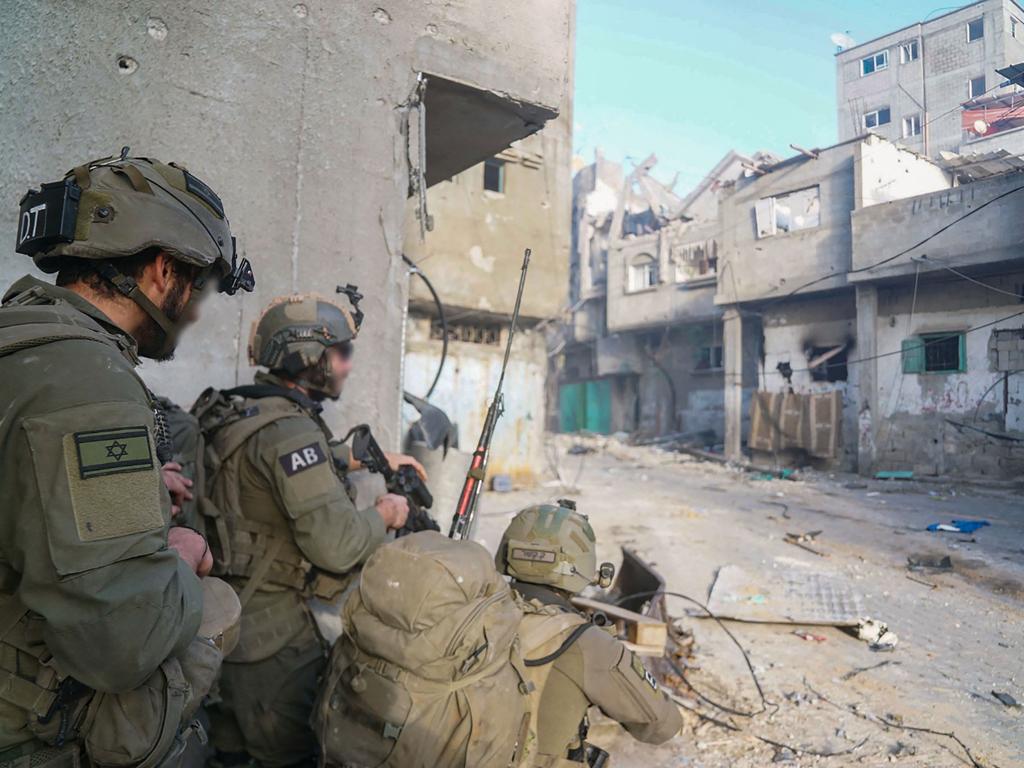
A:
303,458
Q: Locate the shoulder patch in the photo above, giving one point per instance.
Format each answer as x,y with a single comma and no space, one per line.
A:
302,459
111,452
641,670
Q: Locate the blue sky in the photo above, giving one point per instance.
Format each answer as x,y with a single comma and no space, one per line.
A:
691,79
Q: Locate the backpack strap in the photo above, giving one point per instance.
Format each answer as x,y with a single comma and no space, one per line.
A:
566,644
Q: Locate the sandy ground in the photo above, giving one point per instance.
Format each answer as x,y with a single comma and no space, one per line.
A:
959,641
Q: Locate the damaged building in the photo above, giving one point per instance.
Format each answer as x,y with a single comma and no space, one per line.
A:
644,352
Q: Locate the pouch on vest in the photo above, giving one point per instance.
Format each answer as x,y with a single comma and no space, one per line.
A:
428,671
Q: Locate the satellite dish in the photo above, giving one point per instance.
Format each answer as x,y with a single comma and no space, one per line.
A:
842,40
980,127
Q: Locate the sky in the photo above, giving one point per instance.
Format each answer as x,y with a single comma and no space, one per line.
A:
691,79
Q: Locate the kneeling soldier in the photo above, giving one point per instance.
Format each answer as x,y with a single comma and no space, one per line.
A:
549,551
282,525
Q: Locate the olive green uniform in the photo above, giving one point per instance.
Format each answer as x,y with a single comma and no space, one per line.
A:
83,523
594,670
286,505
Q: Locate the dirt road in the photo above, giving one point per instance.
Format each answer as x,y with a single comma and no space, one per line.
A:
960,633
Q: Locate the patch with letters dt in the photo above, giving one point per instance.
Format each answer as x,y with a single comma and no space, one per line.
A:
303,458
641,670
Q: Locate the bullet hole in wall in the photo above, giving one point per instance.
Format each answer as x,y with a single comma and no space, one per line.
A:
126,65
300,10
382,16
156,28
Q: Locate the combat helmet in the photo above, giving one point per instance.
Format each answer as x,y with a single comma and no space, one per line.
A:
119,206
294,332
552,544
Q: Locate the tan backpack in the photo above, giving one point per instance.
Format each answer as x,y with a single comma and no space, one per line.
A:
428,672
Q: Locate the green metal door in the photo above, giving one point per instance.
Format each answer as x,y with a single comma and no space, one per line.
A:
586,406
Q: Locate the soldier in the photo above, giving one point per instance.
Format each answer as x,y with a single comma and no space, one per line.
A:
99,603
549,551
282,524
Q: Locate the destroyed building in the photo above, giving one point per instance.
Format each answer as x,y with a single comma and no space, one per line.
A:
314,121
645,348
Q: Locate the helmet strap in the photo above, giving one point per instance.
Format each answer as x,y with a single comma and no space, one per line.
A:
128,287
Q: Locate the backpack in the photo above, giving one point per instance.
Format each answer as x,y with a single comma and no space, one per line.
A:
428,671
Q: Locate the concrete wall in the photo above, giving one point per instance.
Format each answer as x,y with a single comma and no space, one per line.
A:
751,268
467,385
936,83
915,432
990,234
294,113
884,171
790,330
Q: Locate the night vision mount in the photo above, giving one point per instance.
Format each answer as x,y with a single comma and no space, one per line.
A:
354,296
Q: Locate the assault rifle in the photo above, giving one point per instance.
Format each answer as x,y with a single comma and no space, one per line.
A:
465,511
404,481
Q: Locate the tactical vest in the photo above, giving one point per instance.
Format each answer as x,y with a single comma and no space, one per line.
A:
249,553
545,633
139,728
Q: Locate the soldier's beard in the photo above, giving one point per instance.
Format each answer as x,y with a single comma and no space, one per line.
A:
151,338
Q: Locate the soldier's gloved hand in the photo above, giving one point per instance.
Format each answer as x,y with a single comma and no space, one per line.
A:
177,484
395,460
192,548
393,509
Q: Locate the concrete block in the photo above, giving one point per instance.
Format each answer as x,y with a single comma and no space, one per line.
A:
926,470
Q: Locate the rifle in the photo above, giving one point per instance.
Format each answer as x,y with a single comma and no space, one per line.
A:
404,481
465,511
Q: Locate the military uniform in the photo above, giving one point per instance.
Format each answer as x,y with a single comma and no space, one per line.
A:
572,664
83,545
98,618
283,529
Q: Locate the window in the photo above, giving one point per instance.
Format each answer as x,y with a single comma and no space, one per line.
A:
709,358
944,352
1015,29
975,87
695,260
494,175
874,63
975,29
790,212
643,273
877,117
827,363
470,333
911,126
909,52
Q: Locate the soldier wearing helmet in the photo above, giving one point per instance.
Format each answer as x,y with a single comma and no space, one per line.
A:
282,525
549,551
99,604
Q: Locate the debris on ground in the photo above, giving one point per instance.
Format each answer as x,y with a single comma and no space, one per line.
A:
1006,699
809,636
501,483
785,597
579,449
860,670
929,563
958,526
902,749
802,540
876,634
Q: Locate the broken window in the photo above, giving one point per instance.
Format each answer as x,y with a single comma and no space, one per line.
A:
1015,29
874,63
877,117
975,29
911,126
470,333
975,87
695,260
790,212
643,273
709,358
909,52
494,175
944,352
827,363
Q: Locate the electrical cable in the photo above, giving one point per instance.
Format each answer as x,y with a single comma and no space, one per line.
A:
924,259
992,386
414,269
765,704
